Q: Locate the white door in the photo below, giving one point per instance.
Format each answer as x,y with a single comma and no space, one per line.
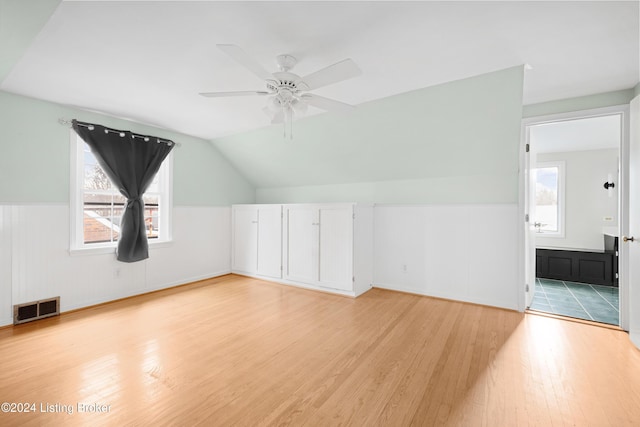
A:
530,229
270,241
302,244
245,239
336,248
633,246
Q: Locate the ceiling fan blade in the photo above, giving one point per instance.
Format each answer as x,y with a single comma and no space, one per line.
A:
245,60
342,70
299,107
237,93
326,103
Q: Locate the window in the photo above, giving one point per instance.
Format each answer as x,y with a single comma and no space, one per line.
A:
549,209
97,206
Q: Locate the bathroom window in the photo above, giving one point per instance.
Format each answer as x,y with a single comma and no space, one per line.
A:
549,213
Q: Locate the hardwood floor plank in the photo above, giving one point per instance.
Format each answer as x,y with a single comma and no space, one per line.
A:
239,351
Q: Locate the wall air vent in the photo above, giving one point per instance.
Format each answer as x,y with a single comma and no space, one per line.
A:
36,310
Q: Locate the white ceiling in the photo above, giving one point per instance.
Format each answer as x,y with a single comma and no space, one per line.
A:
593,133
147,61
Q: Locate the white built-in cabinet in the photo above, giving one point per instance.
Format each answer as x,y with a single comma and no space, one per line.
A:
322,246
257,240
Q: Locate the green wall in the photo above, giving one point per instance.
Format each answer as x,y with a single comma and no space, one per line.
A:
456,142
35,161
452,190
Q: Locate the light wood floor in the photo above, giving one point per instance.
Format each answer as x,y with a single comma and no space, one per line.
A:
239,351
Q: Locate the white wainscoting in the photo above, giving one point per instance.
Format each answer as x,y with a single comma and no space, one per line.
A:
35,241
6,313
459,252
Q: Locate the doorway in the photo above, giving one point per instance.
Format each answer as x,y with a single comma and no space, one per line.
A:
574,207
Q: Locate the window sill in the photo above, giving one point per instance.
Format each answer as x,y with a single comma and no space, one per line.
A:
554,235
111,249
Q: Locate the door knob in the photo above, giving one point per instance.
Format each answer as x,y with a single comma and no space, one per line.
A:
627,239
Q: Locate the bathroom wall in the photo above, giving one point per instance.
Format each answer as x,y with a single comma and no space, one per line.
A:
588,206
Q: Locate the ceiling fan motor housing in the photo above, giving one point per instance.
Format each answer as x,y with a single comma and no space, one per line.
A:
286,62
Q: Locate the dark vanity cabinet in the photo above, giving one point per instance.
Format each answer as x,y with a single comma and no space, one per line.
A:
597,268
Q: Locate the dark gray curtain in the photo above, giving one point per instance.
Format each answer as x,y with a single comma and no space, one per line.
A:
130,161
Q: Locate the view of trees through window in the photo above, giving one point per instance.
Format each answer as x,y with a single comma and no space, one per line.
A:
547,199
103,204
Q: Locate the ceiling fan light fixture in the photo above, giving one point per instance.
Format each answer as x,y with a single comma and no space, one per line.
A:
273,104
286,88
286,62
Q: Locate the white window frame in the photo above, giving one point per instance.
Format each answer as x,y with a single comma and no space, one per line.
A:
76,207
561,165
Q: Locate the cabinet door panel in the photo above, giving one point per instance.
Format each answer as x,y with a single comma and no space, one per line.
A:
302,244
270,241
336,248
245,240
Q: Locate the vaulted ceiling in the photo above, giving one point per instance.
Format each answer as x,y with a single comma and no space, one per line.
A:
148,60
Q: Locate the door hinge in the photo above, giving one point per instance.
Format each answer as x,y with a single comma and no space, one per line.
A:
526,218
353,216
353,278
526,287
526,148
617,276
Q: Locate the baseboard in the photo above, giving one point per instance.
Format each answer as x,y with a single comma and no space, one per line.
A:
138,292
6,321
301,285
188,280
635,339
502,305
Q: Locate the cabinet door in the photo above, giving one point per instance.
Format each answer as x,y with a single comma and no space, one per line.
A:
270,241
336,248
245,239
302,244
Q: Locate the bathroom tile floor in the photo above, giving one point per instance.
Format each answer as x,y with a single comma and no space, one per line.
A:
580,300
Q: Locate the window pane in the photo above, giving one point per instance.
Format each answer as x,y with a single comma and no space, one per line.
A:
547,198
94,176
154,187
98,218
151,215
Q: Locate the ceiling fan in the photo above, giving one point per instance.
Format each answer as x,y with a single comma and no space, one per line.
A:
287,93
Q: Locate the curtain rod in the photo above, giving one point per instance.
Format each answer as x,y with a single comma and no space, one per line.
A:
68,123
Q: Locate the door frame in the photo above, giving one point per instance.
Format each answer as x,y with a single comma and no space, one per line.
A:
623,196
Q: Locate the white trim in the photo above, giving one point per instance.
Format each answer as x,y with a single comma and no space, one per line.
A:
110,248
75,195
143,291
623,220
635,339
576,115
508,305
